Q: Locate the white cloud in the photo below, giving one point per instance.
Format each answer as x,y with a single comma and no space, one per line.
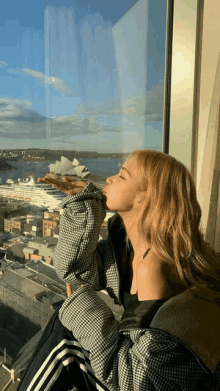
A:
13,107
58,83
96,118
18,120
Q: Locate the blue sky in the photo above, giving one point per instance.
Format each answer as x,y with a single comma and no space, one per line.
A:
84,75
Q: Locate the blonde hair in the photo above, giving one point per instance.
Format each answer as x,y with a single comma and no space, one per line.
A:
170,222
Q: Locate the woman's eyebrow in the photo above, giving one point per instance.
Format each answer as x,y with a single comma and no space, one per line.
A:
123,168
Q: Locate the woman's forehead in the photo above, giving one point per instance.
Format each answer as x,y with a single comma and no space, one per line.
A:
131,164
131,161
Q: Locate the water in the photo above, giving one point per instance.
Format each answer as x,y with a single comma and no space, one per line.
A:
100,167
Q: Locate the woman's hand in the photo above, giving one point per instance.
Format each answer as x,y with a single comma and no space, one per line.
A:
67,186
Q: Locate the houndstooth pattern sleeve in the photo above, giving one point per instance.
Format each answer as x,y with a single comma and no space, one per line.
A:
78,252
136,360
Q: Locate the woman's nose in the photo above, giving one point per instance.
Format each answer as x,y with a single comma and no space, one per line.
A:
108,180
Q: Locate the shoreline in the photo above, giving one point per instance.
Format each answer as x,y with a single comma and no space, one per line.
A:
45,159
56,155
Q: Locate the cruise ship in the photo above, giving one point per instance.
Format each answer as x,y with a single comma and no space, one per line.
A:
43,194
38,194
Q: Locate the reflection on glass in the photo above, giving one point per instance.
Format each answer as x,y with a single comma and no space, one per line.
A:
105,80
86,77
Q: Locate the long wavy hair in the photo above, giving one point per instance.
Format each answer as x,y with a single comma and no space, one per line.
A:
169,221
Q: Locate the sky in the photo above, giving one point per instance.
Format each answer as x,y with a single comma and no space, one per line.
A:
82,75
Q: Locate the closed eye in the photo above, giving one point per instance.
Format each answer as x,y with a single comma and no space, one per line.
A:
119,173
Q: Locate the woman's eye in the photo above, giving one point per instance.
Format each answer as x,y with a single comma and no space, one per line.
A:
119,175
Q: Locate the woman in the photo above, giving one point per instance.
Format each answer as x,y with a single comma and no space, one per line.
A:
156,264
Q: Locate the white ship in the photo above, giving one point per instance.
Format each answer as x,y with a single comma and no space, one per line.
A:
38,194
42,194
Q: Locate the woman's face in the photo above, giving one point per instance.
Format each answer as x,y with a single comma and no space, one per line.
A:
121,190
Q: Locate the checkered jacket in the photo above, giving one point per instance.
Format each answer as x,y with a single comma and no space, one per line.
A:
125,355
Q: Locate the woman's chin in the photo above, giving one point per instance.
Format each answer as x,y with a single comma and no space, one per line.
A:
105,203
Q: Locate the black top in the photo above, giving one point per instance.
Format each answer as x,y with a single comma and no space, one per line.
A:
141,312
129,275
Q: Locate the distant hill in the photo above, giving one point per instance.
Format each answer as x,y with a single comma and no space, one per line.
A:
38,154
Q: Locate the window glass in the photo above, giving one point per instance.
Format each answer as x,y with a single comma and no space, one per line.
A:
80,76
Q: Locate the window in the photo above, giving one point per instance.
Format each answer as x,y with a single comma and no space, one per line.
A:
104,65
83,76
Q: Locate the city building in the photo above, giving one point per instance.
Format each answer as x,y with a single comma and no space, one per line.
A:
13,249
33,226
40,249
4,236
56,232
30,284
14,223
10,209
49,226
54,215
31,253
15,252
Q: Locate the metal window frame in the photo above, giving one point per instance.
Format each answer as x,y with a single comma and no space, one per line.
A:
180,134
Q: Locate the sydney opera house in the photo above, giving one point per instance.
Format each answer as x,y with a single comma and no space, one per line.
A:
73,170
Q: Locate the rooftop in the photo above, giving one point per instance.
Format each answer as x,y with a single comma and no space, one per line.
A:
31,282
45,270
43,240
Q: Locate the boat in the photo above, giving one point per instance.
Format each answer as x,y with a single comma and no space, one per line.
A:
32,192
119,164
43,194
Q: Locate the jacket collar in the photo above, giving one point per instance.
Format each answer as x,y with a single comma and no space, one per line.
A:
116,232
117,236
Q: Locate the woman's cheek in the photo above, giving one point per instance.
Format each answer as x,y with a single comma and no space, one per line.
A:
112,202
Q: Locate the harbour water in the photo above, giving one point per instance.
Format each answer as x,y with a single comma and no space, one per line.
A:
99,168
